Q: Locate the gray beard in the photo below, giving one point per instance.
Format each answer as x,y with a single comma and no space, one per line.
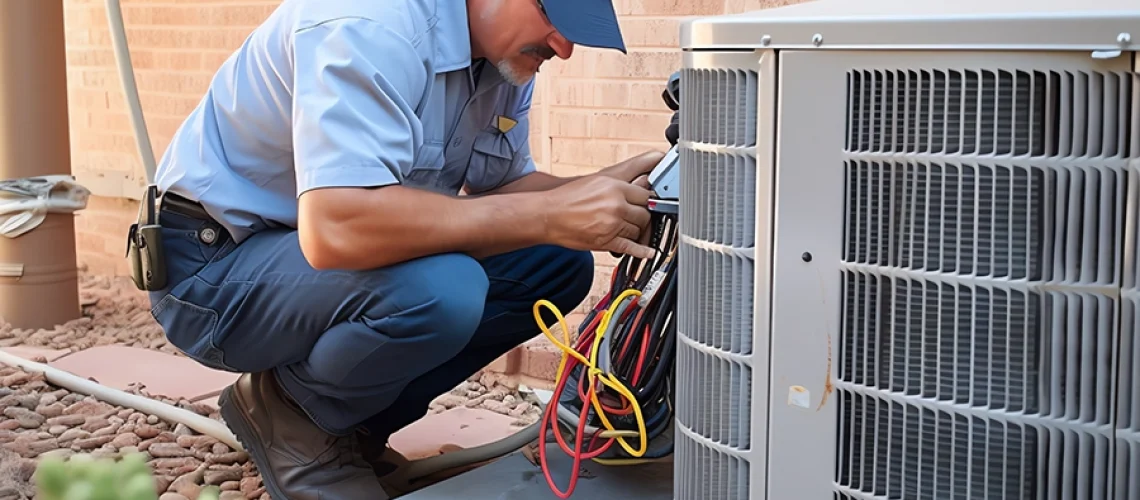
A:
508,73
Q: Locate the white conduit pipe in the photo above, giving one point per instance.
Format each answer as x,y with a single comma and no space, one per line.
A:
170,413
130,88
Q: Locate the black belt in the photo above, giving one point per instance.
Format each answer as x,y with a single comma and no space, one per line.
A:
187,208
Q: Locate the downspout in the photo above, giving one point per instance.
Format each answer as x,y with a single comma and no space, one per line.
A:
39,282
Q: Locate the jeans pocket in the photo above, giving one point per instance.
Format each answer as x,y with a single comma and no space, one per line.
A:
191,328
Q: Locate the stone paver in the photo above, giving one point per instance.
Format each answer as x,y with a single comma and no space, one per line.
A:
455,428
35,352
176,377
447,431
162,374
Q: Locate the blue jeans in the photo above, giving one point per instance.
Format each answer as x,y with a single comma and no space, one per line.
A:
354,349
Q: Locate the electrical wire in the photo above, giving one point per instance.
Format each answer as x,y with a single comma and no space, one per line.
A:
614,384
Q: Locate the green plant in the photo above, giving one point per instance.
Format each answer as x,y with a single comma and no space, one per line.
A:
84,477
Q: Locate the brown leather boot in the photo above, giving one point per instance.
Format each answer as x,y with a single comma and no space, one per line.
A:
387,464
297,460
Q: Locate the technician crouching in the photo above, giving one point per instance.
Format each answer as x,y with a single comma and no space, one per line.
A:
313,237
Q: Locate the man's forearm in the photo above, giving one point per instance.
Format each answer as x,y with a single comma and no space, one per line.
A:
370,228
534,181
542,181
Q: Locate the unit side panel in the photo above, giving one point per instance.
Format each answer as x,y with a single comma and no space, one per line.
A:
947,271
722,351
805,321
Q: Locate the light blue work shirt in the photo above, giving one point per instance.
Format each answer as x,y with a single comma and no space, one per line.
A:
357,93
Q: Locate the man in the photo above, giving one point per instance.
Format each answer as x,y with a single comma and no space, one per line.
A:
316,239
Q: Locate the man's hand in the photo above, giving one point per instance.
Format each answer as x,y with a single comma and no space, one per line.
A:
635,171
600,213
634,168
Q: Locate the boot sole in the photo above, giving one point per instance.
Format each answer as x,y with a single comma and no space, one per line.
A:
245,435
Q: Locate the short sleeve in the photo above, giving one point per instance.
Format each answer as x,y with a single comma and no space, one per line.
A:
356,85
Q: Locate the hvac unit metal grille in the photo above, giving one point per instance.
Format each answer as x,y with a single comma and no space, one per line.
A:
986,214
1127,480
718,210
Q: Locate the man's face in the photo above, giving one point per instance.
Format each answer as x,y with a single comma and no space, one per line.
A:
515,36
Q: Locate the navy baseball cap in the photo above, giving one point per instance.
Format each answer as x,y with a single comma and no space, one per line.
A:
592,23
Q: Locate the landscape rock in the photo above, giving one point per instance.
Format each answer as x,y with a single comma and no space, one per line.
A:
217,477
39,420
188,484
228,458
125,439
50,410
68,420
28,419
147,431
168,450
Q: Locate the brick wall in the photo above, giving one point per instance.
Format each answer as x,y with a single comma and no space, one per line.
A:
593,110
176,45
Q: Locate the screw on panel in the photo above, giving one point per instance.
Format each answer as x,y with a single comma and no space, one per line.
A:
806,256
817,39
766,40
1124,38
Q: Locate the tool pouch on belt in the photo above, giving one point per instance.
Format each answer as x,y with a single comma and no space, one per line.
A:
144,245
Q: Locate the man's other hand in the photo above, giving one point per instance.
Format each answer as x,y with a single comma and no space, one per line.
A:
601,213
634,168
636,171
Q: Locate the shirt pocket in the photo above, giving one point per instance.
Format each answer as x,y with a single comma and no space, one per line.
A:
493,158
427,168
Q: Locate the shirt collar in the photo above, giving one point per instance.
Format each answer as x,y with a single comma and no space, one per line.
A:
453,45
453,36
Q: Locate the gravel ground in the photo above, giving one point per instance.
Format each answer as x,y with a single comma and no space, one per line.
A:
41,420
114,312
38,419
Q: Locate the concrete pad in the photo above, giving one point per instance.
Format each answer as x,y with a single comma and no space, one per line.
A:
513,477
459,427
30,353
162,374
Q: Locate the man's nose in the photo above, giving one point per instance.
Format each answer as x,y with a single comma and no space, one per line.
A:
562,47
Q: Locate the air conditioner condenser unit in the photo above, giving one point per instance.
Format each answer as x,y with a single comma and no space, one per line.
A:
909,237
